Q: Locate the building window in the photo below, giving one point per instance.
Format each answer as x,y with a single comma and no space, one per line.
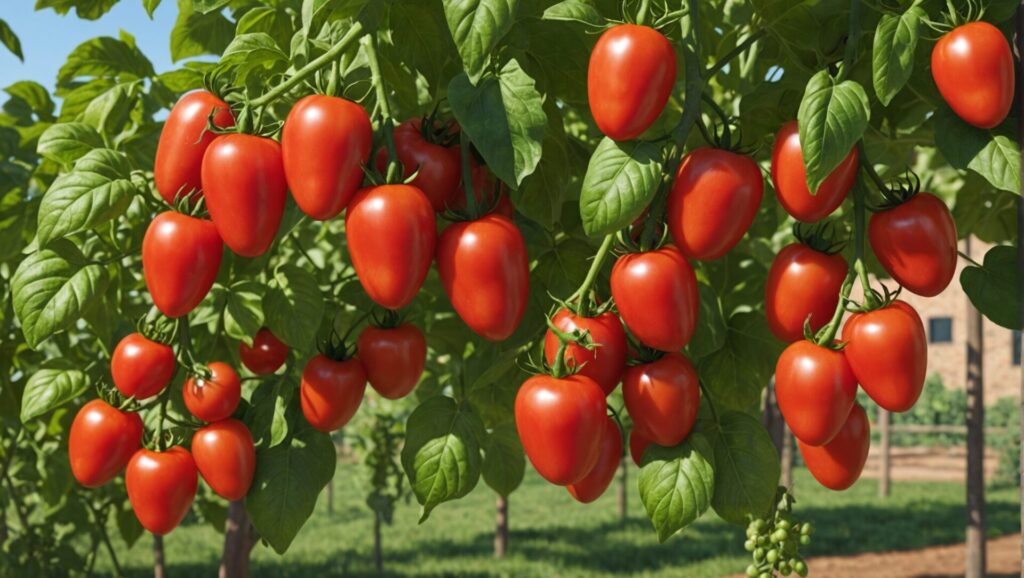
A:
1016,347
940,330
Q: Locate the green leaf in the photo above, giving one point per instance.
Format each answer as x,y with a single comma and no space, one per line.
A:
993,288
34,95
711,331
620,182
575,11
738,371
197,33
49,389
893,52
248,52
677,484
109,111
540,196
504,461
988,213
243,314
205,6
746,466
994,153
9,39
477,26
150,6
294,307
104,57
66,142
832,118
86,9
128,525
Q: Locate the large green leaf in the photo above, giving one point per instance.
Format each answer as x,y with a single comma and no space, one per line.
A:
249,52
738,371
66,142
893,52
9,39
677,484
746,466
712,330
294,307
197,33
243,312
541,194
110,110
34,96
575,11
994,154
832,118
49,389
620,182
994,288
504,461
104,57
477,26
86,9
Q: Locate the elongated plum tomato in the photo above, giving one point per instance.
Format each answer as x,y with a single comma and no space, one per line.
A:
180,259
391,233
267,354
600,477
215,398
916,243
102,440
656,293
324,143
638,443
331,391
141,367
226,457
245,189
973,68
631,73
183,141
790,178
888,353
713,202
486,274
802,283
815,388
439,166
393,358
561,423
161,487
606,361
662,398
839,463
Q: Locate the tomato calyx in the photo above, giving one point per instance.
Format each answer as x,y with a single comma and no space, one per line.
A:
879,300
474,208
721,134
642,354
438,132
114,398
387,318
560,369
899,190
822,236
336,347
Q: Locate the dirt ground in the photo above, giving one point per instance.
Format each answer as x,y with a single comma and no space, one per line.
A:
935,464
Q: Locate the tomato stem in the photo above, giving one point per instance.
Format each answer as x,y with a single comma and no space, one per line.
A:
694,81
735,52
860,226
467,174
852,38
641,15
583,305
706,394
828,334
387,125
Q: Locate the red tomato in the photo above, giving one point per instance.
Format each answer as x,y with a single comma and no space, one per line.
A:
837,464
561,424
180,259
325,142
802,282
486,274
638,443
332,391
916,243
663,397
656,293
267,354
815,388
439,166
888,352
215,398
183,141
141,367
226,457
101,441
393,358
973,69
606,361
245,188
161,487
484,186
600,477
631,74
713,201
790,178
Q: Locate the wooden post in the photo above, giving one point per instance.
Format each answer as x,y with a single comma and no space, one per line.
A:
623,489
378,547
237,542
975,554
884,419
501,528
158,557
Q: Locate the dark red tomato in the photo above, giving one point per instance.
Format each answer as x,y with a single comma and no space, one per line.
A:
973,69
161,487
141,367
815,388
631,74
245,189
226,457
638,443
656,293
393,358
561,423
486,274
215,398
183,141
267,354
713,201
790,178
439,166
663,398
325,142
600,477
180,259
888,352
837,464
102,440
332,391
485,186
606,361
802,282
916,243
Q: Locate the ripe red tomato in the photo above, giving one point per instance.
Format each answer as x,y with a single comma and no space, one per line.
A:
631,74
215,398
245,188
837,464
486,274
180,259
916,243
600,477
324,143
141,367
815,388
161,487
802,282
391,234
790,178
267,354
101,441
226,457
393,358
439,166
606,361
973,69
888,352
561,424
663,397
183,141
656,293
713,201
638,443
332,391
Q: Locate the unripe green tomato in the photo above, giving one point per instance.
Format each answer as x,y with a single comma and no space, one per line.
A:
762,540
752,571
765,575
800,567
759,555
785,569
749,545
779,536
806,529
772,556
783,525
758,525
805,539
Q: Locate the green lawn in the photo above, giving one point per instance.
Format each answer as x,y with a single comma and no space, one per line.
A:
552,535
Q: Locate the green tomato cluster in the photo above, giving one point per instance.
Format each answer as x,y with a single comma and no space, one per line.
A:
775,541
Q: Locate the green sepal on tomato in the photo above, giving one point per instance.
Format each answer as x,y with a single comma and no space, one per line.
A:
605,360
888,352
656,295
225,456
915,241
815,388
183,142
141,367
161,487
592,485
214,397
181,256
789,177
101,442
973,69
839,463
